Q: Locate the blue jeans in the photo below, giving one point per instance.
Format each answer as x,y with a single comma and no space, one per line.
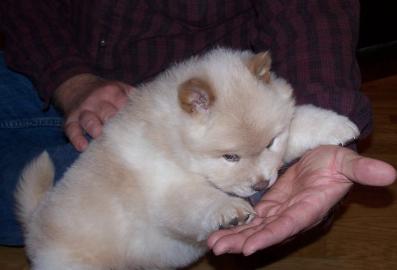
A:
25,131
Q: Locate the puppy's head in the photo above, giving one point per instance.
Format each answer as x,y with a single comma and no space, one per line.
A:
236,121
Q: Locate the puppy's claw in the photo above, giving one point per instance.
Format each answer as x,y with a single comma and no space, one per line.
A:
232,212
234,222
248,217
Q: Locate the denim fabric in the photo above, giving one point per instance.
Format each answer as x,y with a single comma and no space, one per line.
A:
25,131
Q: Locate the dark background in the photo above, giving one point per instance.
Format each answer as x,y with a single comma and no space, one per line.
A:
378,22
377,47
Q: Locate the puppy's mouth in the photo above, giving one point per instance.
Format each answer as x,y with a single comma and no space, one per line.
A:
243,195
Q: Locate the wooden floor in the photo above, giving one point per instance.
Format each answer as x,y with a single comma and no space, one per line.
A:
364,234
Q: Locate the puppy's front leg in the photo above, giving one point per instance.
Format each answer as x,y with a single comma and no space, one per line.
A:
313,126
202,210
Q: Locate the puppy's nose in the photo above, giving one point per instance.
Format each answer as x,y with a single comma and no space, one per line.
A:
261,184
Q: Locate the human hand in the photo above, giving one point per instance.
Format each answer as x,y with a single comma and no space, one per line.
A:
88,102
302,197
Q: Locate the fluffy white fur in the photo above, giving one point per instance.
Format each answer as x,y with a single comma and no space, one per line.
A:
149,191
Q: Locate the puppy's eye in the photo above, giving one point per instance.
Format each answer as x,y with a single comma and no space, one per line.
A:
271,143
231,157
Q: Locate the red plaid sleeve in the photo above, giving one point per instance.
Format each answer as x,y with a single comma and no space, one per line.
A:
313,44
40,43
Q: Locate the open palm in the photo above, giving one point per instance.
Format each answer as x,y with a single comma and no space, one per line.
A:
302,197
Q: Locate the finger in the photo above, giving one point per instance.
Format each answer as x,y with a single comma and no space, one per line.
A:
232,241
366,171
90,122
273,233
278,228
267,207
127,88
216,236
75,135
121,100
106,111
115,93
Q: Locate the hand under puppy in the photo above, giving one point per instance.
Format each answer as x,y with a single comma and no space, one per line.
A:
302,197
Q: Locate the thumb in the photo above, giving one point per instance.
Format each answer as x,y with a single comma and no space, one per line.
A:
365,171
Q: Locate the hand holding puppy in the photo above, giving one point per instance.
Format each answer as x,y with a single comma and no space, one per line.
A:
88,102
302,197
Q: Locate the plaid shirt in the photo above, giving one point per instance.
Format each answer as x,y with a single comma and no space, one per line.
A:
312,42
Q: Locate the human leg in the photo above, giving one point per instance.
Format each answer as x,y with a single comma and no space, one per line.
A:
25,131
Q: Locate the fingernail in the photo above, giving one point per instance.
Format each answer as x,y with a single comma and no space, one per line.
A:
216,253
221,251
249,252
82,146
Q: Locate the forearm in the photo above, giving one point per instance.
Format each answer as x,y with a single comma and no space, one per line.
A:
313,46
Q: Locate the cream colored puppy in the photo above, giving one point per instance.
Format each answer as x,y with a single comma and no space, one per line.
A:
173,166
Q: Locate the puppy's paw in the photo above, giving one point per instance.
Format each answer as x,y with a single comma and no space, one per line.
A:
225,213
233,212
339,131
313,126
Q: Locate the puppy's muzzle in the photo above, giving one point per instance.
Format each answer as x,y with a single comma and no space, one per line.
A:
260,184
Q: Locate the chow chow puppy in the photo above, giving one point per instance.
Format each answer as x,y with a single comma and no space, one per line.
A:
173,166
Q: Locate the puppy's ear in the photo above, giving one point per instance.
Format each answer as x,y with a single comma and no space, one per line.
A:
195,96
259,65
